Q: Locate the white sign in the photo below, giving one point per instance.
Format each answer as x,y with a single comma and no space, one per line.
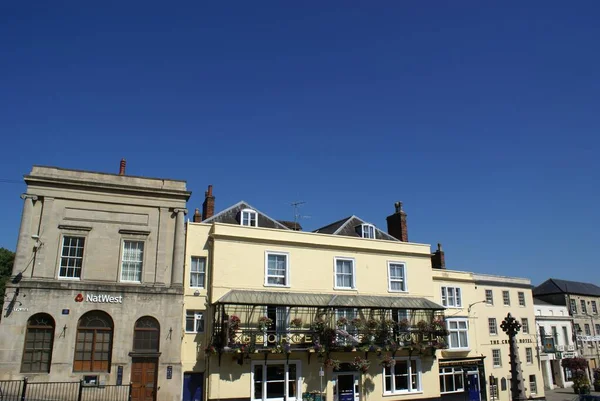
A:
588,338
104,299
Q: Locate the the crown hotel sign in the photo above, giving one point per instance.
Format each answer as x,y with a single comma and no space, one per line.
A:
99,298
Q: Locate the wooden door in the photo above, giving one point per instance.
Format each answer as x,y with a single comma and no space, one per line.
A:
143,379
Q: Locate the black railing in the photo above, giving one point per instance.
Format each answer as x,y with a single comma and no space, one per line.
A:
25,390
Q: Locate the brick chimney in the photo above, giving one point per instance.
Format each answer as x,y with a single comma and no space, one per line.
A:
396,223
197,216
122,167
208,207
438,260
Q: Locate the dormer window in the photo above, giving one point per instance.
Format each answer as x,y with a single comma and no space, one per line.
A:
249,218
366,230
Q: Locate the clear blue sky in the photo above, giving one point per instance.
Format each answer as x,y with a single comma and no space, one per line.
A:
482,118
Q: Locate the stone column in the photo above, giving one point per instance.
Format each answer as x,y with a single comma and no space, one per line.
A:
178,249
23,254
548,374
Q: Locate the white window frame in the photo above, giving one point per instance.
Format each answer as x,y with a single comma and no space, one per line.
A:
456,297
201,274
391,263
198,317
250,213
410,390
494,364
335,273
123,261
60,257
495,326
532,384
521,296
287,269
452,371
489,301
524,325
529,355
286,380
367,231
506,300
458,330
573,306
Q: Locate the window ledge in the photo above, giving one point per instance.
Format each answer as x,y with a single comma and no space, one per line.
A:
457,349
398,291
277,286
345,289
401,393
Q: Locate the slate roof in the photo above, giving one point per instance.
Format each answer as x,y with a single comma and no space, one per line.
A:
231,215
347,227
292,225
557,286
249,297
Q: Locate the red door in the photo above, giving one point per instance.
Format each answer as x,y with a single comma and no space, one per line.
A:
143,379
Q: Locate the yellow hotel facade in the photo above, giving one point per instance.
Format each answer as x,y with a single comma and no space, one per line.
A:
345,313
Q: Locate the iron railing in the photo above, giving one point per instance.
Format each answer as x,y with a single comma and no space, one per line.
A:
25,390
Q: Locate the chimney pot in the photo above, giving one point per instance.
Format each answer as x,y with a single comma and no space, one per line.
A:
438,259
197,216
122,167
208,207
396,222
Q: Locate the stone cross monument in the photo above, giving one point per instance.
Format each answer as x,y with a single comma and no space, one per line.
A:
511,327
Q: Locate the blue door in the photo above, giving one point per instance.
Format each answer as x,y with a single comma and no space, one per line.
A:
192,386
473,384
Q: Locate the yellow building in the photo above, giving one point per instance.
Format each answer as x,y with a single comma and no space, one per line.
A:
477,347
272,313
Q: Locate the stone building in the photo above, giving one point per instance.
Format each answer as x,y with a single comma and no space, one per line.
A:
98,282
555,342
582,300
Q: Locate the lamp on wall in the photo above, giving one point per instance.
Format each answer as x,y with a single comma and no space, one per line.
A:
196,293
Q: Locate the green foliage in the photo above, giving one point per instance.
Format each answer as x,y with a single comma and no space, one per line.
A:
7,258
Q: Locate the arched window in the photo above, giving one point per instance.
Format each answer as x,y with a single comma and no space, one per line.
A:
93,348
37,353
146,335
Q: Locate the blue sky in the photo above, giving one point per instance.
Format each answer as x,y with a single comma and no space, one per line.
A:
481,117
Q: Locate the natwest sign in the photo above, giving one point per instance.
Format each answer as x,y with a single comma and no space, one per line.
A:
100,298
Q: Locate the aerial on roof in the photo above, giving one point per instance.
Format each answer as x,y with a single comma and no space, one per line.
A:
558,286
352,227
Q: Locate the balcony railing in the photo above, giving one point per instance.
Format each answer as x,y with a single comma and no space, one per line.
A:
243,330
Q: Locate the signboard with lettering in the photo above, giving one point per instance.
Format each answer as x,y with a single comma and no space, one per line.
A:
100,298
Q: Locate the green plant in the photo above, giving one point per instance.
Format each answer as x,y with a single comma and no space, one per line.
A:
341,322
264,323
332,363
296,322
581,383
361,364
387,361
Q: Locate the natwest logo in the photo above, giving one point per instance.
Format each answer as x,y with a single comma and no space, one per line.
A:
100,298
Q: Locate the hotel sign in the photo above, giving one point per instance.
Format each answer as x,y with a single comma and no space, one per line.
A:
100,298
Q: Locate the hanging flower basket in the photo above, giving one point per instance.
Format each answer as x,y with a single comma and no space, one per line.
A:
404,324
357,322
210,350
387,361
341,322
296,323
264,323
332,363
360,364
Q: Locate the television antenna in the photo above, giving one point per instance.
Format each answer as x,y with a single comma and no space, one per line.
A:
297,216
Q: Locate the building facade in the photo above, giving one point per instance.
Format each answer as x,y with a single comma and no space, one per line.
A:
555,342
97,288
477,357
582,301
273,313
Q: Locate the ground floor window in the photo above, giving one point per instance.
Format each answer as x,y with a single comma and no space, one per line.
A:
568,374
403,377
275,380
451,380
532,384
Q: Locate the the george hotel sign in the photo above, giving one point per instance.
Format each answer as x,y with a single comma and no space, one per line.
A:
100,298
